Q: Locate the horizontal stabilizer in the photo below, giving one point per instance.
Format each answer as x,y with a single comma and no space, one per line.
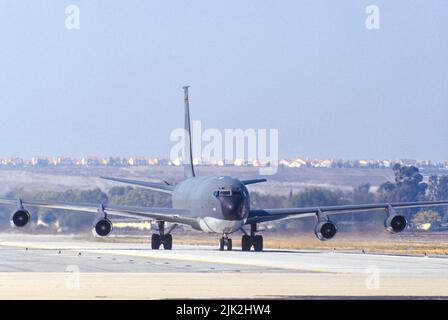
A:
252,181
162,187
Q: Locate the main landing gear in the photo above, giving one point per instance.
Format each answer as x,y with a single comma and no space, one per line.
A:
247,241
162,238
225,242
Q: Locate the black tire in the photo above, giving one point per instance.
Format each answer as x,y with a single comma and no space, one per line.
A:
229,244
221,244
258,243
168,242
246,243
155,241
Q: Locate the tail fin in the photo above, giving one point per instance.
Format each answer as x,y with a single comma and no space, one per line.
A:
188,154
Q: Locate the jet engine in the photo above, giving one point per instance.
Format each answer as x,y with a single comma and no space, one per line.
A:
102,227
325,230
395,223
20,218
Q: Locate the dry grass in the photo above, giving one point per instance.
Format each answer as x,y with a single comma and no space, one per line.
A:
407,243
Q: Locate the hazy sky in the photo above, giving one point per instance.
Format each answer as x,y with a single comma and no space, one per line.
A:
309,68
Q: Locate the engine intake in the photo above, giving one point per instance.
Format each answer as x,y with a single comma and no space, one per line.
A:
102,228
395,223
20,218
325,230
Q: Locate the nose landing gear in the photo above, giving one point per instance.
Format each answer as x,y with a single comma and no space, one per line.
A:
247,241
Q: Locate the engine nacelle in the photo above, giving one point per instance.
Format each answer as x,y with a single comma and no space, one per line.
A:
395,223
102,228
325,230
20,218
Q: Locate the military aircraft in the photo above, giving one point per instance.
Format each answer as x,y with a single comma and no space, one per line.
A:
213,204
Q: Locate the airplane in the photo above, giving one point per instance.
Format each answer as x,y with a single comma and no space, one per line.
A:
212,204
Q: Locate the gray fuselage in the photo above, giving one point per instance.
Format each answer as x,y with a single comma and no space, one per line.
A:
221,204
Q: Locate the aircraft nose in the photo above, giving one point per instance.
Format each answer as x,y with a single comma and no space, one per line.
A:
232,207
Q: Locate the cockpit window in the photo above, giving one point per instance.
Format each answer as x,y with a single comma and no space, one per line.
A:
227,193
222,193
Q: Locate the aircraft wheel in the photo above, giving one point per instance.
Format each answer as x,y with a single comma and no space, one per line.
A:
167,242
229,244
221,244
246,243
155,241
258,243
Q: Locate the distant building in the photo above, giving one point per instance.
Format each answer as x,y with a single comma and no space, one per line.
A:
137,161
239,162
13,162
218,163
424,163
197,161
288,163
38,161
163,162
408,162
386,163
297,163
115,162
65,161
90,161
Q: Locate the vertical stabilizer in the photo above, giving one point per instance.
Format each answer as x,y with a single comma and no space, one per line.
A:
188,154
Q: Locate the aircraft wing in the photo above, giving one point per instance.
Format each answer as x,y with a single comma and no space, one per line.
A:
264,215
252,181
146,213
162,187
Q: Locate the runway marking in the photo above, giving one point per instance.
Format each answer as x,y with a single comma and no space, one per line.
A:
218,260
307,261
172,255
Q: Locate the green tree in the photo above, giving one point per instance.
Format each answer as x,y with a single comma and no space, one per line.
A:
73,221
267,201
438,190
138,197
319,197
408,185
362,194
427,216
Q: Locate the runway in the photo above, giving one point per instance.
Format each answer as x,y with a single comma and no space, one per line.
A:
63,267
